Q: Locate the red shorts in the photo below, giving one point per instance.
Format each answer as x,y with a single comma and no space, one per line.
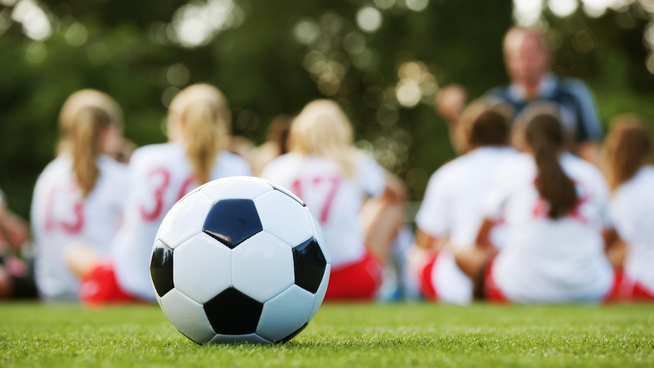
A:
427,288
491,290
356,281
101,287
627,290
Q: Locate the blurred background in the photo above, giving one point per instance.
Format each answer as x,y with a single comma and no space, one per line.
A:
382,60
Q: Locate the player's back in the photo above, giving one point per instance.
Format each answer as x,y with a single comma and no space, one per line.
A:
453,199
159,175
61,217
333,197
632,213
551,260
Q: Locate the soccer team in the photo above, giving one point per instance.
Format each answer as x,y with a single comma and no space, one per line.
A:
524,214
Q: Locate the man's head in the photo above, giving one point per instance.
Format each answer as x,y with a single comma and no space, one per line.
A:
526,56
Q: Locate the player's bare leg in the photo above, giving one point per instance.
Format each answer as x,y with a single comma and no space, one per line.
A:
6,284
615,248
81,259
472,260
383,218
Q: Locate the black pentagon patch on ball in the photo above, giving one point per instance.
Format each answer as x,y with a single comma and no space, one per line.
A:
233,313
293,334
285,191
161,268
309,264
232,221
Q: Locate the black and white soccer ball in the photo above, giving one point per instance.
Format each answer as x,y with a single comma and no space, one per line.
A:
240,260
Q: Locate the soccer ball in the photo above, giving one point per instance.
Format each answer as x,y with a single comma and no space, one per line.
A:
240,260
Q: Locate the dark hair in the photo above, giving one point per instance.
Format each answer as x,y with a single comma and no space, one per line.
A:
629,146
278,132
544,135
489,129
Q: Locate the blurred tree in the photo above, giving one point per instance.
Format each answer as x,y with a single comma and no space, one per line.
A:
383,60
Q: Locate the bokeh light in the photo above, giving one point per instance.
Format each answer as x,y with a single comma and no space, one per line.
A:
417,5
195,24
369,19
306,31
527,12
596,8
76,34
177,74
416,84
563,8
408,93
36,52
36,24
384,4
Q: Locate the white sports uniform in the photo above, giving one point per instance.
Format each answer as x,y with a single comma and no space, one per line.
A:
632,213
333,198
159,175
547,260
61,217
451,210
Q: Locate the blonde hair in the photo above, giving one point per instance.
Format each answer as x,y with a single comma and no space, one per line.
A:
84,114
202,117
629,146
322,128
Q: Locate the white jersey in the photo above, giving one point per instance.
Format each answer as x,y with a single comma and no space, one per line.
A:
452,209
632,214
333,198
547,260
159,175
61,217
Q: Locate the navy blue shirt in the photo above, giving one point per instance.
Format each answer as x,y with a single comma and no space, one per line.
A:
578,107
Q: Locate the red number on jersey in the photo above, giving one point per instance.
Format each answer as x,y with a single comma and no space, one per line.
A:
159,192
69,227
333,183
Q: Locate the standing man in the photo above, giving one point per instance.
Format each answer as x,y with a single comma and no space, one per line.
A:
528,63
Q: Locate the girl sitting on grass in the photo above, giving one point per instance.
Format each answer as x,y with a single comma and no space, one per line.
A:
631,176
335,179
451,210
79,197
160,175
555,209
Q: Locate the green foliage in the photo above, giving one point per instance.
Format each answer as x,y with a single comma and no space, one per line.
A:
259,66
33,335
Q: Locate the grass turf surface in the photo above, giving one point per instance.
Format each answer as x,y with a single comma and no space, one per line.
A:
339,336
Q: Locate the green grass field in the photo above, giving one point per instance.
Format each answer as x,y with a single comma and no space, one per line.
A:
377,336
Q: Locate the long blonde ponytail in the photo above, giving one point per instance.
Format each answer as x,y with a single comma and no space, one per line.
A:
322,128
83,116
85,146
203,119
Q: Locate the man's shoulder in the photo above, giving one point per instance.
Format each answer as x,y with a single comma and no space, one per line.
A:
571,85
501,91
